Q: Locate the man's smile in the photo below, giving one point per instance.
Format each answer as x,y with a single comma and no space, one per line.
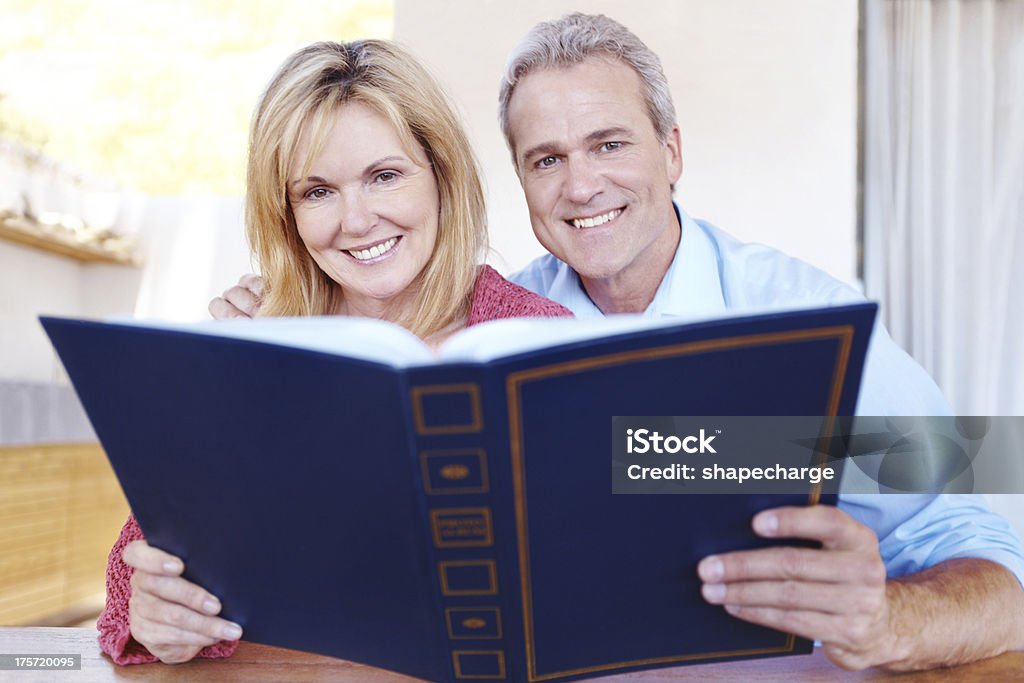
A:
595,221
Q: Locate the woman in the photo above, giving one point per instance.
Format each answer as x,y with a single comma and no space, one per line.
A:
363,199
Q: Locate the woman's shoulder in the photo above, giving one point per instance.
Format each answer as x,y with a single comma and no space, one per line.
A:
494,298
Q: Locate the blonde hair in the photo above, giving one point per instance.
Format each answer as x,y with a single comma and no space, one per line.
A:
307,89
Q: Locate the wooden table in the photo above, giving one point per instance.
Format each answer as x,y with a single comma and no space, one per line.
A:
263,663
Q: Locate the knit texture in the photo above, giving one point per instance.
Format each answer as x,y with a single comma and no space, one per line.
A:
494,298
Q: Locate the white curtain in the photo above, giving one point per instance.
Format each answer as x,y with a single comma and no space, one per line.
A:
944,191
944,196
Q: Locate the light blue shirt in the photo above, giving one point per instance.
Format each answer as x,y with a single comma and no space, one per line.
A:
715,275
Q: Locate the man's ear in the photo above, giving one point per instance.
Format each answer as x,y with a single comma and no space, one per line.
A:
673,156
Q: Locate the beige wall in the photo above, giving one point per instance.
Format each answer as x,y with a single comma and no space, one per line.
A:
191,250
33,282
765,91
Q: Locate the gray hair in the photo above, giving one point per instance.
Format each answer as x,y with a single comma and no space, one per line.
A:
572,39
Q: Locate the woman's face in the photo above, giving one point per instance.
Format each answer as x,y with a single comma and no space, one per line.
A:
367,211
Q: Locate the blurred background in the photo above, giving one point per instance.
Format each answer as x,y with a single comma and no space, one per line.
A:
881,140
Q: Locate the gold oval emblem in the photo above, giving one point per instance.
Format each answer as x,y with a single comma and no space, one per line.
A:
474,622
454,472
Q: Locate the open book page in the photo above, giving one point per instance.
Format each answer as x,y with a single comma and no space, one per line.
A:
383,342
509,337
501,338
362,338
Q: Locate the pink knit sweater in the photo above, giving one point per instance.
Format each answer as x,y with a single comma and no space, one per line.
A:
494,298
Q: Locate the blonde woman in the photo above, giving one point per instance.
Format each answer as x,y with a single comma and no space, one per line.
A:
363,198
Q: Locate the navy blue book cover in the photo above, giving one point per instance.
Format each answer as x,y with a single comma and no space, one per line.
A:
453,521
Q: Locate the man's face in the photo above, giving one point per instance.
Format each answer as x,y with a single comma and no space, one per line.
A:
596,176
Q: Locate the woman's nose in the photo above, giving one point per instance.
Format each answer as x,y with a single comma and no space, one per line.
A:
357,213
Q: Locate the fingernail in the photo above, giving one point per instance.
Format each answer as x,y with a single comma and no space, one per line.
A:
172,566
232,632
732,609
766,524
211,605
711,569
714,592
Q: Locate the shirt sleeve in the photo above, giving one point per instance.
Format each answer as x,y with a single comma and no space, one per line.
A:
919,531
894,384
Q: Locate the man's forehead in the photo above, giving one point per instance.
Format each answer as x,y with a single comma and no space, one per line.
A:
577,101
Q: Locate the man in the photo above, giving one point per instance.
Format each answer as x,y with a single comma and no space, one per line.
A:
598,163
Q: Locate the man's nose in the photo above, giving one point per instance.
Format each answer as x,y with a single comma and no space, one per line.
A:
584,180
358,216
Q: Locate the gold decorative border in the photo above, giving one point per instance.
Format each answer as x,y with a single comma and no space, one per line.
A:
449,615
455,490
841,333
458,665
492,576
485,512
423,429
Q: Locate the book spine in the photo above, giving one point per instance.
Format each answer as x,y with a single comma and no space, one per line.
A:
455,472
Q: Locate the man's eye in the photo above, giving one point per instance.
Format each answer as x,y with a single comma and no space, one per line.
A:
611,146
547,162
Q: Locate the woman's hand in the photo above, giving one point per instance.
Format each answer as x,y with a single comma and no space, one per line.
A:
240,301
172,617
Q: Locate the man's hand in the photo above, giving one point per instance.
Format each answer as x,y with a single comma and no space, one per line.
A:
836,594
173,618
240,301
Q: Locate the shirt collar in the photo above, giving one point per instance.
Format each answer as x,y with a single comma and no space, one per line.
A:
567,289
692,286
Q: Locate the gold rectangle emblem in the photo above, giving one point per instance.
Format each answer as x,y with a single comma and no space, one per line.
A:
462,527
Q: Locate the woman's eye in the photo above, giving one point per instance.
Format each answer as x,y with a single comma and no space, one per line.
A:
317,193
385,176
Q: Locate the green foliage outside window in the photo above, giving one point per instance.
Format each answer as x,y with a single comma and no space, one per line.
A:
156,95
